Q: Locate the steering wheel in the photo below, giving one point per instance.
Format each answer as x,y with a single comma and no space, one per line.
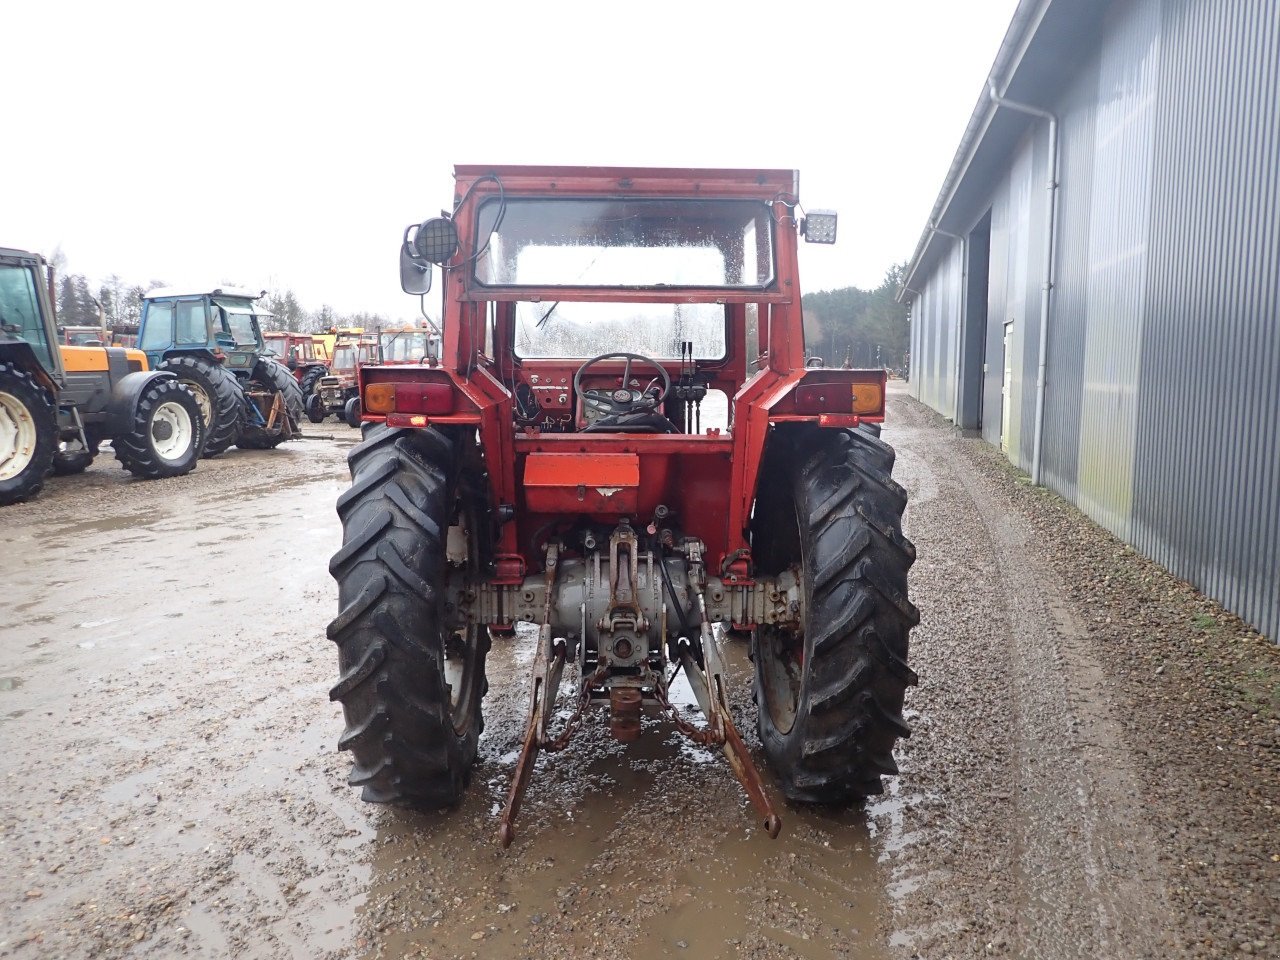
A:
624,400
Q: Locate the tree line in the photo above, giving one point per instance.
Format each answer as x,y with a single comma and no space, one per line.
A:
866,328
77,301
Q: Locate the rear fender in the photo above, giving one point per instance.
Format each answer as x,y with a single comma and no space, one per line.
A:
125,394
18,353
819,395
478,401
830,398
411,395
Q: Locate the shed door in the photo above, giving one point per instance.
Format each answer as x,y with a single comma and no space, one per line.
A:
1006,390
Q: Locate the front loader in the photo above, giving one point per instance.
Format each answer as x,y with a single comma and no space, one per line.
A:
58,402
553,467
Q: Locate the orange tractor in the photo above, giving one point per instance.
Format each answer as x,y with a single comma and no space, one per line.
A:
552,467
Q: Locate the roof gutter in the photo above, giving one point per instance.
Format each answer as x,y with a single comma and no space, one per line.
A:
1051,233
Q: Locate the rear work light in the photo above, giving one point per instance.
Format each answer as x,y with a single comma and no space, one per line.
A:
434,399
865,399
819,226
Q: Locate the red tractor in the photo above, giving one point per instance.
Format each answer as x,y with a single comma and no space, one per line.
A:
298,352
554,467
336,391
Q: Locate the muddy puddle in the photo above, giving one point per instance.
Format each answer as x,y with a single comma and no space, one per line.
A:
643,850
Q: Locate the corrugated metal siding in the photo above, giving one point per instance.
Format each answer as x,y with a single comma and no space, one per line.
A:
1207,470
935,322
1113,286
1162,417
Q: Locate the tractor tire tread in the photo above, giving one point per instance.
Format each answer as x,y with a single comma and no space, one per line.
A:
16,381
855,559
223,390
392,685
135,451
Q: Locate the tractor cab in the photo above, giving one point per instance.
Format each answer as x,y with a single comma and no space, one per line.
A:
408,345
295,350
226,324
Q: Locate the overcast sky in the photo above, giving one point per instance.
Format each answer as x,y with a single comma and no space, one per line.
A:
290,144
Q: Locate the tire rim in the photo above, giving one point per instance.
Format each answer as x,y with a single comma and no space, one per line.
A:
462,654
202,399
780,658
461,660
17,436
171,431
781,675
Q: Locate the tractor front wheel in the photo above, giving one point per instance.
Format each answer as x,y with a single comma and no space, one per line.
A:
830,692
316,410
351,413
28,435
218,394
166,434
275,379
410,685
72,458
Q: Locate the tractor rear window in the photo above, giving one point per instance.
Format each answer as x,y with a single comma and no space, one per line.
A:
589,329
631,243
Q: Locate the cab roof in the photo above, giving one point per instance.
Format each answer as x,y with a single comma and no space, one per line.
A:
678,180
163,293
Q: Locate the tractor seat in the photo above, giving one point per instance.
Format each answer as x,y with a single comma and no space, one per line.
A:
646,422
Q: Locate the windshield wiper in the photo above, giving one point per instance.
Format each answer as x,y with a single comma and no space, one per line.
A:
550,310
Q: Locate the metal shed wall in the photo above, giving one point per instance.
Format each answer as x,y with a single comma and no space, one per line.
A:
935,325
1162,402
1207,459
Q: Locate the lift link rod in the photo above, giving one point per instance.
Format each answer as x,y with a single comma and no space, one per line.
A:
709,690
547,671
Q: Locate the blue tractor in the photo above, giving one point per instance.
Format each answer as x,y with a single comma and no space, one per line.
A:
212,341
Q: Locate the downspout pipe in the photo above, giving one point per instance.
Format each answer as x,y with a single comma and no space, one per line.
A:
1051,232
964,284
911,316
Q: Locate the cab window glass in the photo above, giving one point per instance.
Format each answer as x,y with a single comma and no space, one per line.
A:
190,329
20,309
158,328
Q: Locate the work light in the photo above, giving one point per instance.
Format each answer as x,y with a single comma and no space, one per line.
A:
436,240
819,226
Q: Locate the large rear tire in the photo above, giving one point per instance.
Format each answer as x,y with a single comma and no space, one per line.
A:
410,689
830,695
275,378
218,394
166,435
28,435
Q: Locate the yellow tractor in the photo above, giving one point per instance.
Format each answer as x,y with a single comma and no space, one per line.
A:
59,402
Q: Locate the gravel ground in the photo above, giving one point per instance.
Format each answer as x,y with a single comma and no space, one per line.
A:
1095,767
1093,771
